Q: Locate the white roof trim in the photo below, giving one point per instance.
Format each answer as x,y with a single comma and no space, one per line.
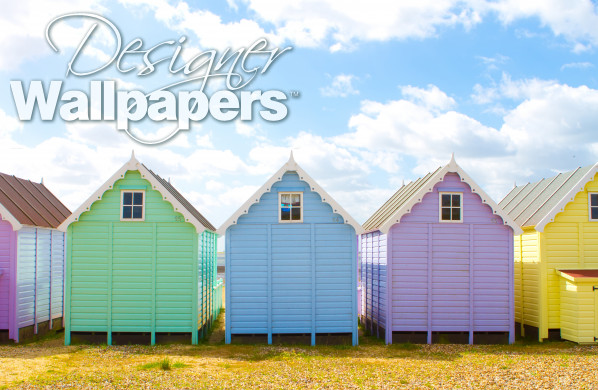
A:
8,217
290,166
133,165
451,167
569,197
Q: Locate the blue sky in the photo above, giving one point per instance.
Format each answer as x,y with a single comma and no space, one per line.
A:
387,91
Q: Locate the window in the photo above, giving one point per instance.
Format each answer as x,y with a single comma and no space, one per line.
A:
290,207
593,207
132,206
451,207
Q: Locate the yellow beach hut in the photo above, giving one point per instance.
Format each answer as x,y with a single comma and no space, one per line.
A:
556,257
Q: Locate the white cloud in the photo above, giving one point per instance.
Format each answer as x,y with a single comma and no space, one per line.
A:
126,85
431,98
344,23
575,21
552,128
208,27
204,141
9,124
577,65
341,86
510,89
23,28
245,129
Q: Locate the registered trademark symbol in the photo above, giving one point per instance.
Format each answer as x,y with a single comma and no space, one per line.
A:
295,93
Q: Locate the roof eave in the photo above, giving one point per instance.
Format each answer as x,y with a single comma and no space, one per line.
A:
569,197
451,167
132,165
290,166
5,215
576,279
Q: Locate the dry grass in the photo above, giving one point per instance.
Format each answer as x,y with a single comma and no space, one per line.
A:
49,364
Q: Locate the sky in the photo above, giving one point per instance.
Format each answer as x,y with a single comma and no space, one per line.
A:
378,93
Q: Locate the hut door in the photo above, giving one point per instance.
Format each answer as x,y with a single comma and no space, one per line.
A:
595,288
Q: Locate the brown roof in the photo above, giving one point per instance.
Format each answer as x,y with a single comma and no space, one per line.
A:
184,202
31,203
581,273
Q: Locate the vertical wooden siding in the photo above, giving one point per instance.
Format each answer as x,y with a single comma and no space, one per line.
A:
207,253
373,274
570,243
291,277
527,278
451,276
6,235
137,276
39,276
26,275
578,311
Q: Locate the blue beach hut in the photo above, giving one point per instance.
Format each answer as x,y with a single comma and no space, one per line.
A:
291,261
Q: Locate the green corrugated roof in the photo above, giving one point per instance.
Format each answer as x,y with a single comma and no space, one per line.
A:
530,203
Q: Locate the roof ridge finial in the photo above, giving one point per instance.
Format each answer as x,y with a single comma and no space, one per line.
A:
291,158
453,162
42,181
133,154
403,185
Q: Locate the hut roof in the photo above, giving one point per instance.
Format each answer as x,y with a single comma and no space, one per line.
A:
579,275
290,166
23,202
168,192
409,195
537,204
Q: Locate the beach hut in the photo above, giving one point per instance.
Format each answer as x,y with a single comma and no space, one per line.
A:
556,258
31,258
291,261
141,261
437,263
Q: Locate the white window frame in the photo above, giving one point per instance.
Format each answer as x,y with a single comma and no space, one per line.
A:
440,193
122,200
280,194
590,206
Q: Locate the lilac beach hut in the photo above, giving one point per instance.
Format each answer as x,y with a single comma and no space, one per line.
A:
31,258
436,263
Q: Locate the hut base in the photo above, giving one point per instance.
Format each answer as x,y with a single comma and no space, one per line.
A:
372,328
28,332
4,336
450,337
294,338
409,337
531,333
141,338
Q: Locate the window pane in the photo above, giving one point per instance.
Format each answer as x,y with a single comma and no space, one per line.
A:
285,198
127,211
127,198
456,214
594,212
456,200
138,198
285,214
594,199
296,213
446,214
137,212
446,200
296,200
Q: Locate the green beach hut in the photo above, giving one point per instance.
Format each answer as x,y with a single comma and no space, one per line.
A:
141,261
